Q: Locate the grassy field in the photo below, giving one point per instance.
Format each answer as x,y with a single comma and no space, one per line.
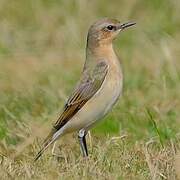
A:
42,50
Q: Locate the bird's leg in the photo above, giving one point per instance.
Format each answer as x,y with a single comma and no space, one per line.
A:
82,140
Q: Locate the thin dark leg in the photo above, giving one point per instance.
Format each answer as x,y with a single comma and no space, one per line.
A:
82,141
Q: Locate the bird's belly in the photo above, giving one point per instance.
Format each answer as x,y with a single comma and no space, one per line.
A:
98,106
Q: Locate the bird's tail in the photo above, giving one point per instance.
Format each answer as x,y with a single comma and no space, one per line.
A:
47,142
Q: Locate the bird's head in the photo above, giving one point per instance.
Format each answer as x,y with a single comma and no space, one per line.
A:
104,31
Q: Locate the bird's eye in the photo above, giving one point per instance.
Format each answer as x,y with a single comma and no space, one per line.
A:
110,27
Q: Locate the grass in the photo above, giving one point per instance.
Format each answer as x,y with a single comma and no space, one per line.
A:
41,56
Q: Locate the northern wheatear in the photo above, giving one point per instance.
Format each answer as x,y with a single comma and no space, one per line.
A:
98,89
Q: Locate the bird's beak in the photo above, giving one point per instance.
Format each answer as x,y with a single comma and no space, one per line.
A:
125,25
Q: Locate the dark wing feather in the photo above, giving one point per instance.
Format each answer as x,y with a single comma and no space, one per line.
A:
84,91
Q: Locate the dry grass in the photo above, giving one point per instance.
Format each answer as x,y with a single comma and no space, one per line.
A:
41,55
110,158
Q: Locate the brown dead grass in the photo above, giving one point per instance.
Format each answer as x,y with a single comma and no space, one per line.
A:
110,158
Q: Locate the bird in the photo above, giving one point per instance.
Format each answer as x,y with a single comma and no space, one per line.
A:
98,88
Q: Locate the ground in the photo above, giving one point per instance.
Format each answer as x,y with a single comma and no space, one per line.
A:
42,51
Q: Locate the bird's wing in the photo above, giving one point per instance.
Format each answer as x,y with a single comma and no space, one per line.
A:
87,87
